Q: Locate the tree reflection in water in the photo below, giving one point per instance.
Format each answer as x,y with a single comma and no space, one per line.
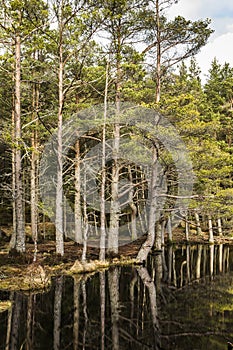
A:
181,299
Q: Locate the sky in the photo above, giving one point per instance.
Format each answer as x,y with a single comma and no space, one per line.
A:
220,44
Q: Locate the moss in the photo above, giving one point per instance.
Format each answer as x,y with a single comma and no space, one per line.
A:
32,277
5,305
86,267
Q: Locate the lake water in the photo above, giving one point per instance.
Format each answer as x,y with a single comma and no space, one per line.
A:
182,299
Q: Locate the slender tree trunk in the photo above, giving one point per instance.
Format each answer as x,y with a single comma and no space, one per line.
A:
211,232
12,243
77,205
220,227
197,218
59,189
34,170
103,174
19,208
186,227
133,207
148,244
85,223
158,54
115,206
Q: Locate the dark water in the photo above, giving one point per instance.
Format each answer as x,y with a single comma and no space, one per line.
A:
182,299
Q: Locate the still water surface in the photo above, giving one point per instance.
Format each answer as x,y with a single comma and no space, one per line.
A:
182,299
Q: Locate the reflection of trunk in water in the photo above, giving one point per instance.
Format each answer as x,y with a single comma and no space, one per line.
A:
211,261
185,263
15,324
220,258
9,323
149,284
198,264
30,321
158,272
102,307
132,292
84,295
113,282
57,313
76,311
170,261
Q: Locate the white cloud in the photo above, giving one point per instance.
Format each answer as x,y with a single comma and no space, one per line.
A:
220,12
221,48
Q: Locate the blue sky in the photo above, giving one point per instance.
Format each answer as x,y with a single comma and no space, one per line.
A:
220,43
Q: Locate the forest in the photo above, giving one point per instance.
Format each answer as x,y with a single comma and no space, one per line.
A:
108,134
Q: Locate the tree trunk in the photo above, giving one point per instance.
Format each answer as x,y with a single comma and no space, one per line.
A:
103,174
133,207
186,227
220,227
19,208
12,243
211,232
158,58
78,226
115,206
148,244
197,218
59,189
34,170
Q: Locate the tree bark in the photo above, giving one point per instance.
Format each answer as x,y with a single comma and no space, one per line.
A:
19,207
115,206
158,54
59,189
211,232
34,170
78,226
148,244
197,218
103,173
